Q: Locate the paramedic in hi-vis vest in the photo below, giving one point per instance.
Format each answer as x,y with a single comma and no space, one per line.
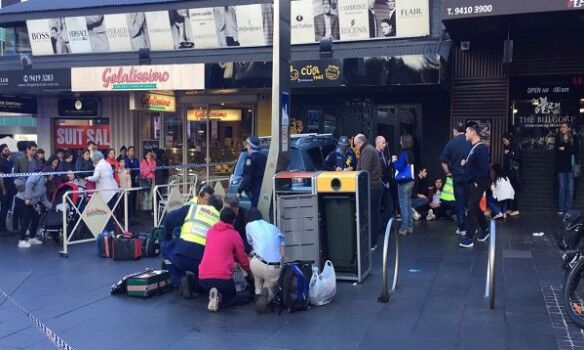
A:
183,254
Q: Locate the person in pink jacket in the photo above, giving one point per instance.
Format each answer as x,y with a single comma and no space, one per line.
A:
148,171
224,247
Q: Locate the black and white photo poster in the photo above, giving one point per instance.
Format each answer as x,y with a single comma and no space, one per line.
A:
353,19
180,27
204,28
326,20
250,25
98,37
118,34
413,18
159,31
226,20
302,21
41,36
78,35
138,30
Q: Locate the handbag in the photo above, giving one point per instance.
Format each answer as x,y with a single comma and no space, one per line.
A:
144,183
576,168
407,174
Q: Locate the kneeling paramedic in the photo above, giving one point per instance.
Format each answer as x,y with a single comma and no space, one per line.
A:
184,254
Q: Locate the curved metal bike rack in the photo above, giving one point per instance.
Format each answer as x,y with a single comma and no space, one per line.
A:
385,292
490,284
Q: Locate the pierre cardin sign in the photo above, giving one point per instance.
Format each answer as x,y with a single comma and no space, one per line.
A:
133,78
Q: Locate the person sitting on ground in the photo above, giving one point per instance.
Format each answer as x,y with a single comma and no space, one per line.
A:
231,200
438,207
502,192
184,254
224,248
420,193
268,244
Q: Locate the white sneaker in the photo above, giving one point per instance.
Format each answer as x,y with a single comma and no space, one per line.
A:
430,215
213,305
23,244
415,214
34,241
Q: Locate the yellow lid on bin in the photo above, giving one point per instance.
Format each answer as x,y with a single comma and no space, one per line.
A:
337,181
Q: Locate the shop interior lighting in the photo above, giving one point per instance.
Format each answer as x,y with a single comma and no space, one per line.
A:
515,111
581,110
535,102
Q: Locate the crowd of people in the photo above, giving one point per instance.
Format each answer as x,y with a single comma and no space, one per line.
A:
26,196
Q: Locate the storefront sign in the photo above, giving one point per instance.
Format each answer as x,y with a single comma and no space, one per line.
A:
152,102
35,80
302,21
15,104
158,77
452,9
204,27
118,34
316,73
41,39
78,107
223,115
78,35
250,25
77,136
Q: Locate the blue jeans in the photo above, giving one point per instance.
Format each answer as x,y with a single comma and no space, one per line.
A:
404,193
418,202
566,181
460,203
496,206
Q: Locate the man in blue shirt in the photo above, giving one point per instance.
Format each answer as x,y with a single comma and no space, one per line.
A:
268,245
453,153
476,173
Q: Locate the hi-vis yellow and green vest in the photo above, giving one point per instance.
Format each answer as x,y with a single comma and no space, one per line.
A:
198,221
447,193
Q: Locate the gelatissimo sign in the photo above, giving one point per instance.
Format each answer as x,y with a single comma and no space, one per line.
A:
152,102
316,73
452,9
224,115
129,78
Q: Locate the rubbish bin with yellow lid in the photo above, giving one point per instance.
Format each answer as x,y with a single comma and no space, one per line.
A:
343,198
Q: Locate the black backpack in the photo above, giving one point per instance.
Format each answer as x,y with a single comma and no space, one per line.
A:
293,286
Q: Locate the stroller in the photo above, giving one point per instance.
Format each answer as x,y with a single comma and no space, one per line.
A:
51,222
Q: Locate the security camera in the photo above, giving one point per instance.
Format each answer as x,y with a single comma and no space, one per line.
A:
465,45
25,62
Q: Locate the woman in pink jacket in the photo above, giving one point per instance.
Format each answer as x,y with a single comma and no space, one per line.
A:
147,173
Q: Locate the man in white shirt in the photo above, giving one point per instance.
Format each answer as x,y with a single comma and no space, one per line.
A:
326,24
268,244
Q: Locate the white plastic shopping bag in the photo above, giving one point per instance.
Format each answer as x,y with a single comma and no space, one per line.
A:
323,287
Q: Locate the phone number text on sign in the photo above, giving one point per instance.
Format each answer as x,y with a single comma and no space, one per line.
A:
469,10
37,78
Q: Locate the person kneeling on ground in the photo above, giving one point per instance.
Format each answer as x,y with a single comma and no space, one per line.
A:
420,194
231,200
26,202
224,248
184,254
268,245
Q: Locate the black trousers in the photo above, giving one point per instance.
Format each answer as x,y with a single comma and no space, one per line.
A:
227,291
475,218
29,216
5,205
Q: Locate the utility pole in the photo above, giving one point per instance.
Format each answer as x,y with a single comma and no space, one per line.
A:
278,154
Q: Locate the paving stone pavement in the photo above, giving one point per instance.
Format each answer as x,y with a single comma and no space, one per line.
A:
439,302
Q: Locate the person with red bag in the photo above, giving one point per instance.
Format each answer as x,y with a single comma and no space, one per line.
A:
476,170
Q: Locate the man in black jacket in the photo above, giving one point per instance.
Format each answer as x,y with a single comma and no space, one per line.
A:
386,175
369,161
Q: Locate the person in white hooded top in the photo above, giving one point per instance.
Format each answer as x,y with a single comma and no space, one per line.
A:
105,183
502,191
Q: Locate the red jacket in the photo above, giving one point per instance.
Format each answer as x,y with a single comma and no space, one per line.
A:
224,247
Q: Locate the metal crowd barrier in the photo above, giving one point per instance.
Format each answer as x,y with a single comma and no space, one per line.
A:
81,207
385,292
490,284
161,200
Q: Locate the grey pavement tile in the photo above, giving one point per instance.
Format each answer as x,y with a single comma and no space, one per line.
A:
527,323
532,342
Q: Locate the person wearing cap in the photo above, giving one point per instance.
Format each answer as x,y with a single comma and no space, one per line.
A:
253,171
342,158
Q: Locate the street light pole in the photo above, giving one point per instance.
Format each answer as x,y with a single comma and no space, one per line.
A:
278,154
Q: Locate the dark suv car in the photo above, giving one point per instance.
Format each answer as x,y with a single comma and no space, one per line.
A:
307,153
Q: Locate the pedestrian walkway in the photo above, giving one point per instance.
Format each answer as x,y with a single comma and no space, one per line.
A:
439,303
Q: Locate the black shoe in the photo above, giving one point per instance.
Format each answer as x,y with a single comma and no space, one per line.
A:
262,301
186,285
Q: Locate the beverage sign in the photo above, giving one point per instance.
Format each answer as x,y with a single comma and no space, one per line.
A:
77,136
155,77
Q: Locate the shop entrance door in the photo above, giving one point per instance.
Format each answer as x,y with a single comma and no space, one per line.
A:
396,120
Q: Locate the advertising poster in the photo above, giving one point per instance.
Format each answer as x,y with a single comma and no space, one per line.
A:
97,32
77,136
250,25
138,30
41,37
78,35
159,32
180,27
353,20
302,21
412,18
203,27
118,34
